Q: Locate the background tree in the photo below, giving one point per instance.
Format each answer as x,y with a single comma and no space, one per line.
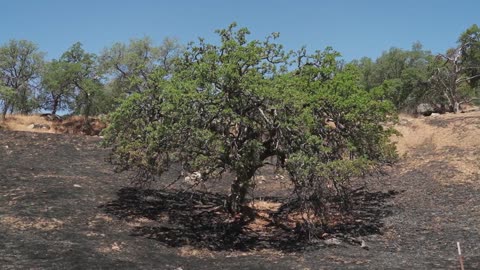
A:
402,75
234,106
470,44
58,84
86,78
457,73
7,96
130,65
368,70
20,65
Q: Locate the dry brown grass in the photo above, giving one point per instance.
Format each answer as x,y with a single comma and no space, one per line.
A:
22,224
75,124
460,130
143,221
19,122
452,139
99,219
189,251
71,125
261,205
111,248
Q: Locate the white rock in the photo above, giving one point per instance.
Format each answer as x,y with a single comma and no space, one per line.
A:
193,178
333,242
364,245
38,126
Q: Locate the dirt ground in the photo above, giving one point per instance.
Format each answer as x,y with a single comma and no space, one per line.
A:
63,207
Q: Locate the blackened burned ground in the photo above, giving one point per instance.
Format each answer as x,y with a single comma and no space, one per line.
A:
62,207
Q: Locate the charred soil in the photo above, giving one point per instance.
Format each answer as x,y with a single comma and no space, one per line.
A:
63,207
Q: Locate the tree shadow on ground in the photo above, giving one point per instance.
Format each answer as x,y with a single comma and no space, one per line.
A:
199,219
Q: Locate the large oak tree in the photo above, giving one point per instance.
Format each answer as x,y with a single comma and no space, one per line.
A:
234,106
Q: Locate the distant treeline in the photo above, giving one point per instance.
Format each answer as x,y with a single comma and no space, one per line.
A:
85,83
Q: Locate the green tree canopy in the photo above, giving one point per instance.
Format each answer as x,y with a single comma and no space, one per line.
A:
20,66
58,83
232,107
7,96
86,78
130,65
402,75
470,45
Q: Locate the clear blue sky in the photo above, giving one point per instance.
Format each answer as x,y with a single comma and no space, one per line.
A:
355,28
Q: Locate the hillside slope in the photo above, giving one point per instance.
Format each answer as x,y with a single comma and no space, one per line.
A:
453,139
439,177
62,207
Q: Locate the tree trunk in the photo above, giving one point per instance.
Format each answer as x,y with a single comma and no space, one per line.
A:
23,103
5,110
56,101
238,193
236,199
456,106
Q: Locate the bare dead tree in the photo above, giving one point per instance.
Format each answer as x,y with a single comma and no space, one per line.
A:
451,78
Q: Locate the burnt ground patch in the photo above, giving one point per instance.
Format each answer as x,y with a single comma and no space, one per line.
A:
62,207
